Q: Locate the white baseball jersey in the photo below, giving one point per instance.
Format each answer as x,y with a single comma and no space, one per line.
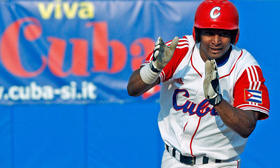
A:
187,121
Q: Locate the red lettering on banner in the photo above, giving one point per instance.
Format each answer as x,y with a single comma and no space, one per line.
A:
108,56
56,56
119,56
10,47
80,57
100,47
139,49
101,50
151,92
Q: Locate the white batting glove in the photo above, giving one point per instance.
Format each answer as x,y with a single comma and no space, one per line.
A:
211,83
162,54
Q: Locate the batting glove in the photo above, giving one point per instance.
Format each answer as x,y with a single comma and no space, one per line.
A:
162,54
211,83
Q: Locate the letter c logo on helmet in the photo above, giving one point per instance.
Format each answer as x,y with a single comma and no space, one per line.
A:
214,14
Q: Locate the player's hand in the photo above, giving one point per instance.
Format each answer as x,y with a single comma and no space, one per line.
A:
162,53
211,83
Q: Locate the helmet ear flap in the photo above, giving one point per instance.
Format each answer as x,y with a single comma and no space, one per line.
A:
193,33
236,37
196,34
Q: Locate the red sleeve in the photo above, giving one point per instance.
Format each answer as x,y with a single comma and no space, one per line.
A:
250,93
149,58
180,52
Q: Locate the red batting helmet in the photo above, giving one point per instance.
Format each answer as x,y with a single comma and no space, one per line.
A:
217,14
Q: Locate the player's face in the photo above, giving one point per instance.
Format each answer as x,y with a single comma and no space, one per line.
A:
214,43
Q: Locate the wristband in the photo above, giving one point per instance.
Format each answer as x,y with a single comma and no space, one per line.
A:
215,101
147,75
153,68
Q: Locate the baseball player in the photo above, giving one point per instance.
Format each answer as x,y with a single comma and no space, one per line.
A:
212,92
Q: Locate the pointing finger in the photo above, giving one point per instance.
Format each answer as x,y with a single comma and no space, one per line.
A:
174,43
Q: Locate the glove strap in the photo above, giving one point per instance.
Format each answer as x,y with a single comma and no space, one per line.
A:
216,100
153,68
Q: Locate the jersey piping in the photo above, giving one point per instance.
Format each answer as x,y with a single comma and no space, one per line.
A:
233,66
193,65
194,135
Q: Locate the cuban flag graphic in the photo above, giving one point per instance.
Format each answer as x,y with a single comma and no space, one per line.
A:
253,96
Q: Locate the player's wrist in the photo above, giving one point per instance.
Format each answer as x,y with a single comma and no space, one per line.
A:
216,100
148,75
154,68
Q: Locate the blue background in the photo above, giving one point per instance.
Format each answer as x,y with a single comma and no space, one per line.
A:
101,134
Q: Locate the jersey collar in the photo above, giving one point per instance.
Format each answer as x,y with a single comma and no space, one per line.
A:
225,65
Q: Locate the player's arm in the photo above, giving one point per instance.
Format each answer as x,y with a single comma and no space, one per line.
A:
136,86
241,121
147,76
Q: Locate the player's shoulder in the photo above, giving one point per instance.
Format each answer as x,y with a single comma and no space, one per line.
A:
243,57
183,48
181,53
245,61
184,43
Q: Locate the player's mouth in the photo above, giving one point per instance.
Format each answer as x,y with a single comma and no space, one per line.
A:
215,50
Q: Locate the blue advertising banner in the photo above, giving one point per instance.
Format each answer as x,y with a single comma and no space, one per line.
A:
75,51
80,51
